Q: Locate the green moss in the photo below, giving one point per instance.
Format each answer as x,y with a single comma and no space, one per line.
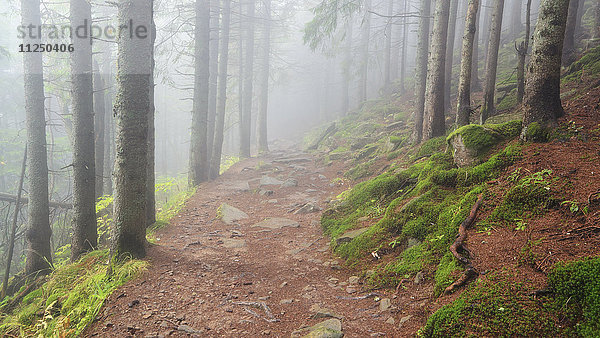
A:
588,66
530,196
70,299
536,133
431,147
361,170
578,282
509,130
446,269
475,137
493,307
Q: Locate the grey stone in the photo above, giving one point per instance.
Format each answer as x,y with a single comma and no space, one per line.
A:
340,155
290,183
286,301
187,329
385,304
353,280
419,278
350,235
277,223
404,320
229,214
264,192
331,328
391,321
267,180
233,243
322,312
307,209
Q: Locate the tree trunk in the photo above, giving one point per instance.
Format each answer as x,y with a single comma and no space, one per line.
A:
364,58
569,55
489,89
404,45
132,107
387,71
85,233
151,172
263,144
596,26
198,150
109,127
522,55
464,82
434,123
346,68
475,81
421,69
99,125
542,103
37,236
13,229
450,53
246,123
222,88
214,75
516,26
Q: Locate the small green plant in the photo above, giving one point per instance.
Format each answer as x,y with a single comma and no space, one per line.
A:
521,225
573,206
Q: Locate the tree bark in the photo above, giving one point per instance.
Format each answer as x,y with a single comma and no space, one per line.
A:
569,55
489,89
222,88
214,75
151,143
542,102
132,107
464,82
346,68
421,69
516,25
246,122
475,81
434,118
263,104
109,127
522,55
387,57
99,125
450,53
404,45
198,150
13,230
364,58
85,233
37,235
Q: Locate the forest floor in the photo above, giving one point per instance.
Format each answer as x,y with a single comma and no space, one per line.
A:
209,278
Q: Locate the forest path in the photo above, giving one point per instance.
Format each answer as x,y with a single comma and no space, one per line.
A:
203,269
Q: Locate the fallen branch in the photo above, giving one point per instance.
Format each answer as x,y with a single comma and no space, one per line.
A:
372,294
458,244
462,232
469,273
261,306
24,200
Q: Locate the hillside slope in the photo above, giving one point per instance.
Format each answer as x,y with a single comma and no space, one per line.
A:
535,238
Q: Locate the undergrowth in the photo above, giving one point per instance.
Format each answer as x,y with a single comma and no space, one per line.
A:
423,204
70,299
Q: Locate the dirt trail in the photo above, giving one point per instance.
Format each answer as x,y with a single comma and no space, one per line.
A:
204,270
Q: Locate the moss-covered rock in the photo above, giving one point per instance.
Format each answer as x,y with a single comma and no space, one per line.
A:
535,132
470,143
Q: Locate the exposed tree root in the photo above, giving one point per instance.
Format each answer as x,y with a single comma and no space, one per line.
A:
459,244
